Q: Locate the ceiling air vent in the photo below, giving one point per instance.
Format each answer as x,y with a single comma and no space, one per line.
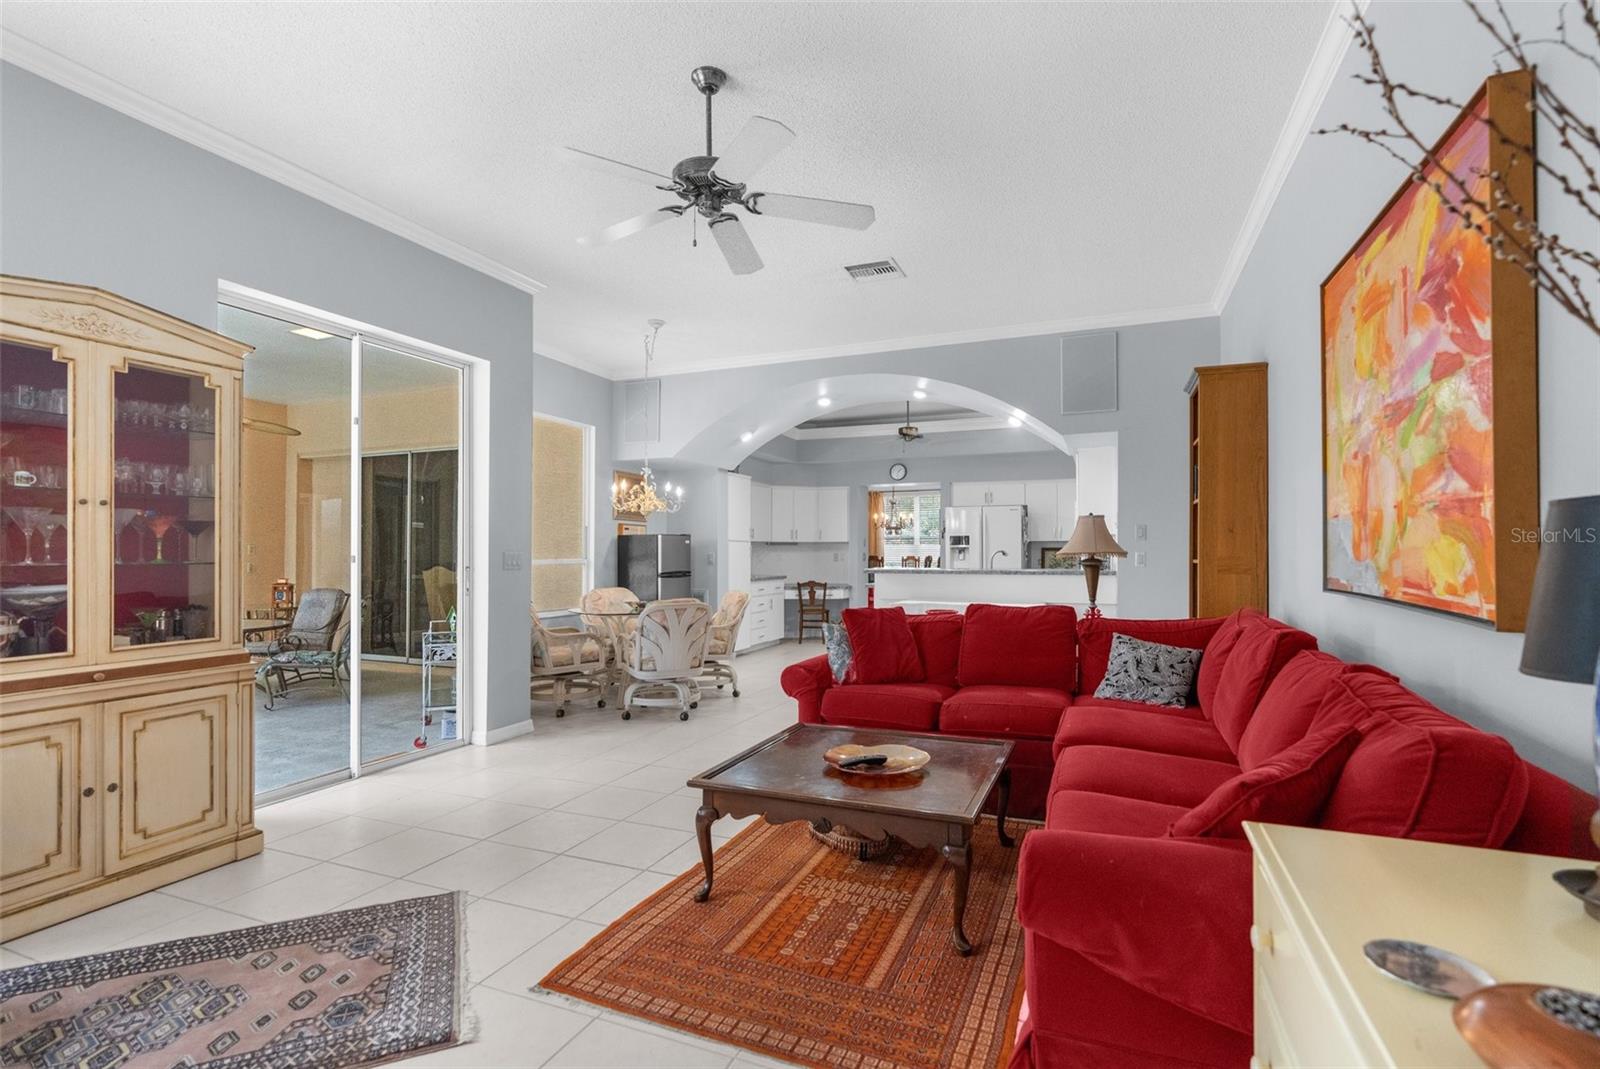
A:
874,270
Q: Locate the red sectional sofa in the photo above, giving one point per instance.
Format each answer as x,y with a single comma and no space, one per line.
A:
1118,909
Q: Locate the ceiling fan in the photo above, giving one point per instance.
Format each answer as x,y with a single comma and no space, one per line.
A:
711,184
908,433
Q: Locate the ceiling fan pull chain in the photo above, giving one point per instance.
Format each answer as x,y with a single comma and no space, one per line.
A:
694,239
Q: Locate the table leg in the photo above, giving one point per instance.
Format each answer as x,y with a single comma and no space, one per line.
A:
703,819
959,856
1005,803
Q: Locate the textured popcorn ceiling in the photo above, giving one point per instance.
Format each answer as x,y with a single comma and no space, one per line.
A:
1030,163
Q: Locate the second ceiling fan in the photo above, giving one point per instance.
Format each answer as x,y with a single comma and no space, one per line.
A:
711,184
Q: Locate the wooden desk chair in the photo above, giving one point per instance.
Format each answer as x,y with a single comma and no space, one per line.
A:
813,602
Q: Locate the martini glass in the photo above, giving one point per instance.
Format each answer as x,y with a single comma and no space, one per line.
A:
123,518
159,526
29,519
52,523
195,529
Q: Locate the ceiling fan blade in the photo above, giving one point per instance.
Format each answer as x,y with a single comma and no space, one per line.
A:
617,169
735,244
629,227
759,141
812,210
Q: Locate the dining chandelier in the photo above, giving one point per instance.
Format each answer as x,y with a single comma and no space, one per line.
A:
642,498
892,520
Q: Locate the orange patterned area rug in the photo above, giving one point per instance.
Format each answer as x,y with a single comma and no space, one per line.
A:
810,955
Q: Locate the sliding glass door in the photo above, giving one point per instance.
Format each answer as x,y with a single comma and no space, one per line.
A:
377,543
410,491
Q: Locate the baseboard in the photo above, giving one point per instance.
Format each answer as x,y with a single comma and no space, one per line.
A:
510,731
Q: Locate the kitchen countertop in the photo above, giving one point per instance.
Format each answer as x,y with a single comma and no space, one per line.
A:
766,578
982,571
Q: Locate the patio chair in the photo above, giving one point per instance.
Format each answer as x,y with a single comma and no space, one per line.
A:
565,658
293,665
664,654
720,646
316,619
609,630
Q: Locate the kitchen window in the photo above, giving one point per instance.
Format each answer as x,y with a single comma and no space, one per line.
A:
924,514
563,555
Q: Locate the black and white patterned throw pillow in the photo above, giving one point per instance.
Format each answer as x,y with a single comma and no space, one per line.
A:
1148,672
836,640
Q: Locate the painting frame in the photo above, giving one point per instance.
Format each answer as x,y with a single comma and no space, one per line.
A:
1512,545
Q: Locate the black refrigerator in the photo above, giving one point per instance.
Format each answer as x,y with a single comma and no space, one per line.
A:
654,567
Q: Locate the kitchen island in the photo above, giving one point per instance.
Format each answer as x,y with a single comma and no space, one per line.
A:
919,589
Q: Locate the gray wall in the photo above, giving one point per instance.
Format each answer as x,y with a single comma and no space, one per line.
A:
1335,188
92,196
1155,362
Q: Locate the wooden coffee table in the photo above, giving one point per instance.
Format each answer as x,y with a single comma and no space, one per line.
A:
784,778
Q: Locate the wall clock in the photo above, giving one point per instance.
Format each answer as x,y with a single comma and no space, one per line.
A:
897,472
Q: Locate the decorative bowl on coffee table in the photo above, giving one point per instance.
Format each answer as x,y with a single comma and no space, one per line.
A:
898,759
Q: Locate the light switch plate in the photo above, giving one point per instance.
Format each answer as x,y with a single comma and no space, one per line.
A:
1141,531
1138,559
511,562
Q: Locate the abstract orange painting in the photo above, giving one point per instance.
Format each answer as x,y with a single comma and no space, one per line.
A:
1411,396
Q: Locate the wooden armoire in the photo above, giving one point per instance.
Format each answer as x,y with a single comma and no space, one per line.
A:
1227,489
125,692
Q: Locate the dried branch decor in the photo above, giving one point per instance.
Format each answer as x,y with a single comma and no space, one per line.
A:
1568,272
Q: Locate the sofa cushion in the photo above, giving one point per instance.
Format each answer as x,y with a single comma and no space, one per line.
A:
1094,723
1110,814
1188,712
994,711
1418,772
1292,704
1289,788
836,641
1016,645
881,647
1216,655
1141,671
902,706
1094,641
1154,777
938,637
1262,648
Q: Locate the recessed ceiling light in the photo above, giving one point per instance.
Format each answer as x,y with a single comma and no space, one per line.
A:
309,332
922,384
920,395
1019,413
824,402
1014,421
746,436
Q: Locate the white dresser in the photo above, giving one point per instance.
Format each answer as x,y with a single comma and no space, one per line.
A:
763,617
1320,895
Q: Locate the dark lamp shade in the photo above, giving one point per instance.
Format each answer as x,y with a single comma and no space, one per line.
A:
1563,633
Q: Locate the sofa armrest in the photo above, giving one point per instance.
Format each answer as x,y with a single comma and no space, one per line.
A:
1146,910
806,682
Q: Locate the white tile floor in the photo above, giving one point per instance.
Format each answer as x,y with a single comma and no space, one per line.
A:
552,835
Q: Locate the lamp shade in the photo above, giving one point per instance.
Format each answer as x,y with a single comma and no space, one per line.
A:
1092,537
1563,633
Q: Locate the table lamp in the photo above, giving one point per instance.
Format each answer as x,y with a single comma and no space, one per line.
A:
1563,633
1090,541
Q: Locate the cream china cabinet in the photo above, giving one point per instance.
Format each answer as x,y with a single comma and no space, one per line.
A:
125,693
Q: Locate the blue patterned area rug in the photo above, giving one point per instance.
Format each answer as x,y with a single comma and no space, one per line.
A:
354,988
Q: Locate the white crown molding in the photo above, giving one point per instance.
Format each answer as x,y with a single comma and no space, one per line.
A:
961,337
1325,61
57,68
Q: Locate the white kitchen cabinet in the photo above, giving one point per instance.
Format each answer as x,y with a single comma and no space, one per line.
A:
760,512
739,566
783,529
833,514
763,616
969,495
805,515
1044,513
963,495
739,528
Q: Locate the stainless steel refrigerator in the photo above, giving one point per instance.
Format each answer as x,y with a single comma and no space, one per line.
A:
654,567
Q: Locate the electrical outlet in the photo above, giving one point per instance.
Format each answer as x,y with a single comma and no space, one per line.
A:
836,558
511,562
1141,531
1139,559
